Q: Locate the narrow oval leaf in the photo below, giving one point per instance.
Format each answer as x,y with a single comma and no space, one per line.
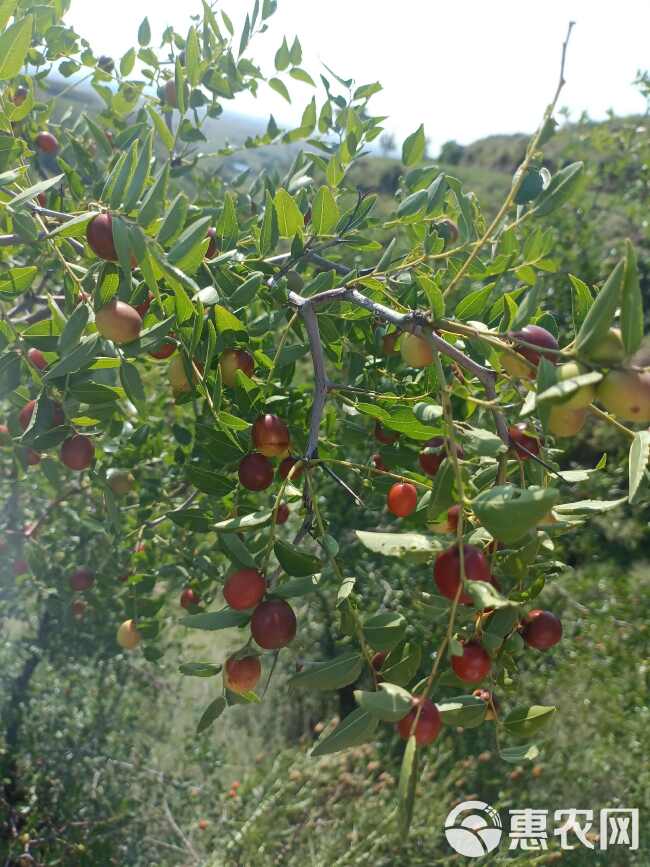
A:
389,703
357,728
384,630
508,513
294,561
212,620
638,461
331,674
212,712
524,722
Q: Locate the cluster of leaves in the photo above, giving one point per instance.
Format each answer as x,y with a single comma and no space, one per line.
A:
301,271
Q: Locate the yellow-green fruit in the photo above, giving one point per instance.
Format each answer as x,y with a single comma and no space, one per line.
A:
177,376
120,482
118,322
609,351
516,366
584,395
128,635
416,352
563,422
626,394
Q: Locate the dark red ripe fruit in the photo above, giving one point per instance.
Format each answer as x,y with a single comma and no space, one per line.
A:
189,598
446,570
255,472
474,664
542,629
273,624
99,235
77,452
270,435
244,589
282,515
539,337
428,725
164,350
20,95
434,453
213,247
20,567
36,357
26,412
402,499
378,463
523,442
32,457
143,307
285,467
378,659
47,143
383,436
82,579
41,199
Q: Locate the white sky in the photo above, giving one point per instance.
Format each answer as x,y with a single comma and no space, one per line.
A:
465,69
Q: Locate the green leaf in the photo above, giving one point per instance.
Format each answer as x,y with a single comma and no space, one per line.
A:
17,280
389,703
485,595
190,238
290,219
174,219
140,176
463,710
73,329
433,293
132,384
144,32
282,56
212,712
166,136
199,669
581,301
508,513
279,87
414,546
294,561
225,321
414,147
212,620
357,728
331,674
209,482
270,233
14,45
296,587
33,191
631,303
518,754
599,319
80,358
253,521
524,722
244,294
7,9
325,212
408,777
560,189
474,305
153,203
402,664
638,461
384,630
302,75
566,387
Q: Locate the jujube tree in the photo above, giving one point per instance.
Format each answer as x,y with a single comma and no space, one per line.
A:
210,352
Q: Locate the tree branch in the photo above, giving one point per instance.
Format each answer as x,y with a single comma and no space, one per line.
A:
412,321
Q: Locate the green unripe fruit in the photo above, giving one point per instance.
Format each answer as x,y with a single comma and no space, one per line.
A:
585,395
626,394
610,351
563,422
120,482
